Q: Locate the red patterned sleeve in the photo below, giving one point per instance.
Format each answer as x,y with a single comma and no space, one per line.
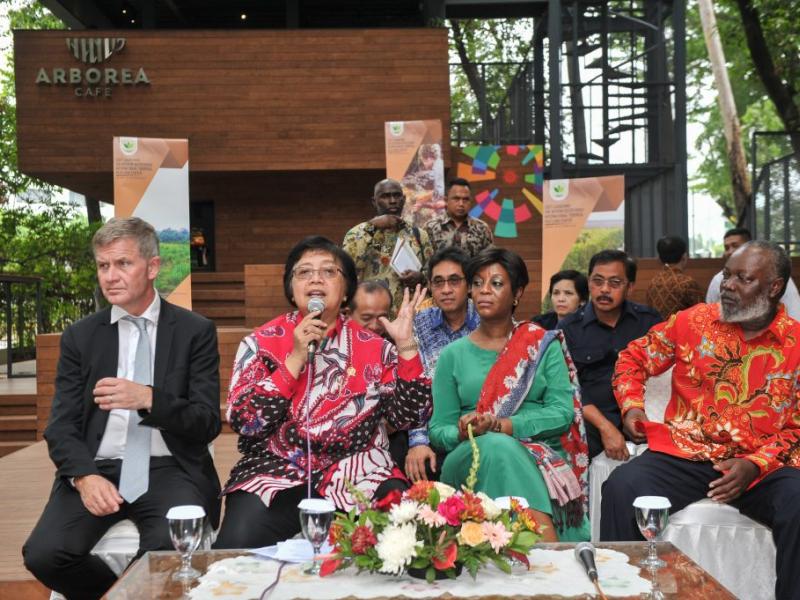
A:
405,391
259,392
649,355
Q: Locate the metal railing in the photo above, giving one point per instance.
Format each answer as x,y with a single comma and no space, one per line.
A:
7,280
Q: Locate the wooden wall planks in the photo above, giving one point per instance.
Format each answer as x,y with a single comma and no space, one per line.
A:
252,100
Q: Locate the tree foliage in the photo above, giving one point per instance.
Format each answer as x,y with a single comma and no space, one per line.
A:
28,15
39,235
780,23
51,241
487,53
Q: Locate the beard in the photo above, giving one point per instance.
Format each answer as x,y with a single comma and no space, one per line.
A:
758,310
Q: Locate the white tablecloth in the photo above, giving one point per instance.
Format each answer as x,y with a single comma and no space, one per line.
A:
554,572
737,551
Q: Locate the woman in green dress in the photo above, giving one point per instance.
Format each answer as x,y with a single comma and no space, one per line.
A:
515,384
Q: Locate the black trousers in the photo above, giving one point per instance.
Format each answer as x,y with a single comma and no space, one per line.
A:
58,549
774,501
248,523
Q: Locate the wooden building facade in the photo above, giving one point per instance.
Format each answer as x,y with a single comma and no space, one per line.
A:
285,128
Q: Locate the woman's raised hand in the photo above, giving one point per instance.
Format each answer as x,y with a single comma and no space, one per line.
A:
401,330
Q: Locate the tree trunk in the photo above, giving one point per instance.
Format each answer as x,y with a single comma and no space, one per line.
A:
740,180
476,82
92,210
781,94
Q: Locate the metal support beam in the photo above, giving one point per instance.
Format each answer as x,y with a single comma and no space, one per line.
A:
554,58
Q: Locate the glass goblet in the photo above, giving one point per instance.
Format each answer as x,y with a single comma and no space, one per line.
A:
316,516
652,516
186,530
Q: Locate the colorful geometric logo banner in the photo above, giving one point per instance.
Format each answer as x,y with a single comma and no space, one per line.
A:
581,217
506,183
151,181
414,158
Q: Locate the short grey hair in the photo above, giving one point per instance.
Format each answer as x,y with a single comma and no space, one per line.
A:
780,260
128,227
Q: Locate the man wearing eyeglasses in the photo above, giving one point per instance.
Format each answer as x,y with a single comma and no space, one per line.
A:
456,227
595,335
452,317
372,243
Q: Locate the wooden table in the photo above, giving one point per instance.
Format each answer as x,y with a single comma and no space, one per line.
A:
151,577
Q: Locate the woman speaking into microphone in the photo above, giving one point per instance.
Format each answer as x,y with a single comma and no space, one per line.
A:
309,396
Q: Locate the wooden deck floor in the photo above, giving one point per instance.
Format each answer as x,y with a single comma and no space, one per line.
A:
26,477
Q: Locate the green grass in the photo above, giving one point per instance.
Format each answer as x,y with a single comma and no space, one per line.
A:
175,266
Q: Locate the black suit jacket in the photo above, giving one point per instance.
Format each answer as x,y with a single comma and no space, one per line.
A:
185,395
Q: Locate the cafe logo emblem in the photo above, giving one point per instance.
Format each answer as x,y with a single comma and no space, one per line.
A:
93,51
559,189
396,128
128,145
97,79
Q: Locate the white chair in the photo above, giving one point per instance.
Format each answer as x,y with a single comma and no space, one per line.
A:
734,549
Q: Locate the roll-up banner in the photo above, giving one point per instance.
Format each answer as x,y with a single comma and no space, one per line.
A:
151,181
581,217
414,158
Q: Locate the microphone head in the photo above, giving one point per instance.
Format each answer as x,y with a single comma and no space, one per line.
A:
316,304
583,547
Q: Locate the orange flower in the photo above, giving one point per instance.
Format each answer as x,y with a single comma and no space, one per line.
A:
335,534
528,519
473,508
419,491
471,534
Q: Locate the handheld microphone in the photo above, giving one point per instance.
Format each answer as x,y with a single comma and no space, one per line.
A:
584,554
315,304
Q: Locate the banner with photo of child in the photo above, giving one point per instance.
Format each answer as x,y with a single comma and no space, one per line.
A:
151,181
581,217
414,158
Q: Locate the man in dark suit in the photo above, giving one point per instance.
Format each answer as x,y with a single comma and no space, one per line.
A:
129,428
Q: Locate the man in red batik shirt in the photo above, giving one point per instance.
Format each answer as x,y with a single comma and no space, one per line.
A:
731,431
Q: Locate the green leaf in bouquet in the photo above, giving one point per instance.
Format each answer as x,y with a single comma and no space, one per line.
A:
526,538
501,563
420,562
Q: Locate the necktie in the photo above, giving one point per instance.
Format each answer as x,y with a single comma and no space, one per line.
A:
133,480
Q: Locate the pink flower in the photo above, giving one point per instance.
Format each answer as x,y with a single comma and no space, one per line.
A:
430,517
497,535
451,509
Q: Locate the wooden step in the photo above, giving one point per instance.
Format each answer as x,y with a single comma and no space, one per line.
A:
217,278
216,311
214,295
17,405
18,428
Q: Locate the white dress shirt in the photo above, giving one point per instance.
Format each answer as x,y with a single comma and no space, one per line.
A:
116,434
790,299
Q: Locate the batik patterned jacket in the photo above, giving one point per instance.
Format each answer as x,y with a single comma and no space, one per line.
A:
356,381
730,397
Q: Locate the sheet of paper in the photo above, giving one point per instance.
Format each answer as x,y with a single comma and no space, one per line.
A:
403,258
291,551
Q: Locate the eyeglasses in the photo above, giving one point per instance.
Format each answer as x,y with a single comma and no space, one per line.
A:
398,195
452,281
306,273
613,282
